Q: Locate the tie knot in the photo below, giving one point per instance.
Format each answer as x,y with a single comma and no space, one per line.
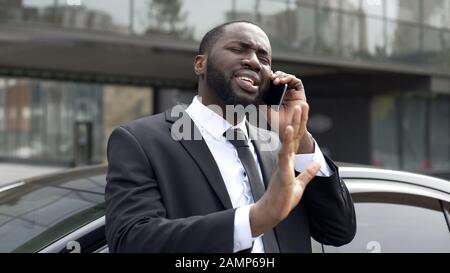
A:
236,137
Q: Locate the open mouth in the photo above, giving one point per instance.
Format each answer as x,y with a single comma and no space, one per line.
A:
244,78
247,82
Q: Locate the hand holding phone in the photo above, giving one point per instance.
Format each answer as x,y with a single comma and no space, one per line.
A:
274,96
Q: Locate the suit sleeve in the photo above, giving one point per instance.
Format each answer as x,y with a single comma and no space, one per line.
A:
136,219
330,209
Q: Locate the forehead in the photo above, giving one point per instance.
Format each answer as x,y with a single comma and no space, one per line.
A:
247,33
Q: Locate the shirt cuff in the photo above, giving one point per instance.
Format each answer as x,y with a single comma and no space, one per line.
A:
242,238
303,160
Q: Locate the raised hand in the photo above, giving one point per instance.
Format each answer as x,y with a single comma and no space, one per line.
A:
285,189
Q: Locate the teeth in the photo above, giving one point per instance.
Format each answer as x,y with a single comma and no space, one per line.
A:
246,79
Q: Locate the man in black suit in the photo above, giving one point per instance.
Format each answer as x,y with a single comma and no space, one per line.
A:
176,183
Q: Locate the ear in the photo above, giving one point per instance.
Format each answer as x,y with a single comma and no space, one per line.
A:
200,64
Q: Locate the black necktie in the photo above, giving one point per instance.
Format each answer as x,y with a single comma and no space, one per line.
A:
239,141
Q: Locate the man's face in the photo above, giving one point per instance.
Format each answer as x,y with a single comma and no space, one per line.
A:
239,65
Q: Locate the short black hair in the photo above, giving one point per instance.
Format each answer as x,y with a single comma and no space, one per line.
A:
213,35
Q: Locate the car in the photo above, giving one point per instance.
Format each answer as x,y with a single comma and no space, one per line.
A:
61,212
64,212
396,211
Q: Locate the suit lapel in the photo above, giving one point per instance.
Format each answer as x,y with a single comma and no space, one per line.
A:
265,158
200,153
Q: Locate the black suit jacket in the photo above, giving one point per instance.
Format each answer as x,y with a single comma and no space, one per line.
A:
166,195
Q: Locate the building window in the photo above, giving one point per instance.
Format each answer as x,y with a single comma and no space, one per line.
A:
436,13
53,122
403,42
306,30
350,35
373,7
328,31
411,132
403,10
350,5
384,133
334,4
413,127
372,37
440,132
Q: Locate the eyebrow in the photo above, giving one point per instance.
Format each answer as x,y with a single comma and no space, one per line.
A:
248,45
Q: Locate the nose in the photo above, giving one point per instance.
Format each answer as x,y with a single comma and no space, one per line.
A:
252,61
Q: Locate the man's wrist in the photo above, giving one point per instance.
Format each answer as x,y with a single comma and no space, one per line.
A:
306,144
261,219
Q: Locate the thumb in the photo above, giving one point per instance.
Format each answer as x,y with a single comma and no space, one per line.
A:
308,174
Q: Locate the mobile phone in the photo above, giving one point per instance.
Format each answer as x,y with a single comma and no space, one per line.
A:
274,96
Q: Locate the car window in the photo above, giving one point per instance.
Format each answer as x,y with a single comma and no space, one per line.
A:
94,184
392,222
35,215
447,213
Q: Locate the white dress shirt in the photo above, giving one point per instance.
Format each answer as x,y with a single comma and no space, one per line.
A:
212,127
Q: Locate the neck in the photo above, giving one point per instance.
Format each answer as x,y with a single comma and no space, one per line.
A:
217,105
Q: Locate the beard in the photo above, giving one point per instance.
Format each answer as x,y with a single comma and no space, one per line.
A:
217,81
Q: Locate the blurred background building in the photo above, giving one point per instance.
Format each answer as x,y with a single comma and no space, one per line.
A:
376,72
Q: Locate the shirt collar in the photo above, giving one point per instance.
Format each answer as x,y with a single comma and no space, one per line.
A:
209,121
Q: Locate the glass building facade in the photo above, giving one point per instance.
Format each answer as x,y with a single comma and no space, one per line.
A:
398,31
64,123
347,49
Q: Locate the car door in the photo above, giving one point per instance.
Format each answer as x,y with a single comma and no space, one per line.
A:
398,222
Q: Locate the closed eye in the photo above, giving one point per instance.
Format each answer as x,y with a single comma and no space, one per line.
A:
264,60
235,49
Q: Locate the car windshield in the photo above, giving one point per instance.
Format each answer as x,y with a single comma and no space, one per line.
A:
38,213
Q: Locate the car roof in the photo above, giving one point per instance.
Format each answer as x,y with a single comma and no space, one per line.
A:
346,170
365,179
393,175
63,175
